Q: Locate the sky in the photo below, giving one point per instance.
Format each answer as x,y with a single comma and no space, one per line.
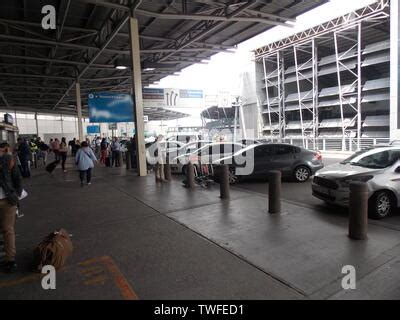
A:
222,73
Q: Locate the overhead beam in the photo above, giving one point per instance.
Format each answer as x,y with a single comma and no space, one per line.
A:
201,17
200,31
197,16
4,99
60,43
94,58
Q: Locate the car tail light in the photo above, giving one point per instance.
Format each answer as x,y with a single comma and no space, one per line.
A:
318,156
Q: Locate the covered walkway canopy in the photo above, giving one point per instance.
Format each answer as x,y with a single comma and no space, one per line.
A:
52,70
38,67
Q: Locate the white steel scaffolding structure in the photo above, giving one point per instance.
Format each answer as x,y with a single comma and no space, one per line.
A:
343,53
309,130
274,72
352,35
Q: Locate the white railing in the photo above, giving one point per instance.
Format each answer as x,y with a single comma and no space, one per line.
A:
336,144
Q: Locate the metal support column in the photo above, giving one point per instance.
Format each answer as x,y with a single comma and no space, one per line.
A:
137,95
309,51
62,125
394,70
315,110
37,125
350,95
79,110
274,76
281,95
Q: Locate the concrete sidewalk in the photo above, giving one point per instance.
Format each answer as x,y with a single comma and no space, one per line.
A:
134,238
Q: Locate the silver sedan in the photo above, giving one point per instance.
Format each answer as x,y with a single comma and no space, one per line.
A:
379,167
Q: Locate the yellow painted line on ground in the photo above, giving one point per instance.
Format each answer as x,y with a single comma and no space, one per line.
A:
120,281
94,271
27,279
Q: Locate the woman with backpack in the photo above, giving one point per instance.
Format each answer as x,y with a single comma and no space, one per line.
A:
85,160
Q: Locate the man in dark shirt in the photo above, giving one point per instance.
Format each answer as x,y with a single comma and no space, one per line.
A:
10,191
24,155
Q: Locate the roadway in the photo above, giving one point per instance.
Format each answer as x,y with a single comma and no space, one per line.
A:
300,193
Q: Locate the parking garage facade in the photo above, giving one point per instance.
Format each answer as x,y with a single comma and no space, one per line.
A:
328,87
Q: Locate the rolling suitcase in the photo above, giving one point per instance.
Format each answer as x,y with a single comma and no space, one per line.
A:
51,166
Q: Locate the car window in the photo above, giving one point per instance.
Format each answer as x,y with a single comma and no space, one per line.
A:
261,151
378,160
280,150
357,154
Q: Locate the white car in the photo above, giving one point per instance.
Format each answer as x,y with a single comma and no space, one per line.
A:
208,153
379,167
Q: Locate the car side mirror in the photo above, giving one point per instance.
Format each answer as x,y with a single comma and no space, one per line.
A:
397,170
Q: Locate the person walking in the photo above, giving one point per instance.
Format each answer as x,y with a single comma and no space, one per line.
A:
116,151
159,154
24,155
132,150
85,160
103,151
63,152
71,144
44,149
10,190
56,148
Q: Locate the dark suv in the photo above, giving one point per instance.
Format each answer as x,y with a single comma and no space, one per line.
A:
294,162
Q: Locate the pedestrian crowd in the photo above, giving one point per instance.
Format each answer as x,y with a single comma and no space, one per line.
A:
16,164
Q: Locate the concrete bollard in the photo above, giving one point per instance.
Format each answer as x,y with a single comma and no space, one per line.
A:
274,191
128,160
224,182
190,176
358,211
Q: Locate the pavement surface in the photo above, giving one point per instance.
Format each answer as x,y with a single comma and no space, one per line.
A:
135,239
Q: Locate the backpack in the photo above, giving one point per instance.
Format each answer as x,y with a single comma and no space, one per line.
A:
54,250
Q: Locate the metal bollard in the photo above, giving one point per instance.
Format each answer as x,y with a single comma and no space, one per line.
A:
128,160
358,211
274,191
224,182
190,176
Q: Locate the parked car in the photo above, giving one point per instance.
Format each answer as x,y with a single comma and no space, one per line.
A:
208,153
379,167
292,161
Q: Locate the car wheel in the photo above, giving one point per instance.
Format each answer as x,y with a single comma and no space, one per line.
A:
302,174
381,205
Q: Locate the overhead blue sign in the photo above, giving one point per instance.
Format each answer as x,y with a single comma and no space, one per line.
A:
93,129
153,94
110,107
191,94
